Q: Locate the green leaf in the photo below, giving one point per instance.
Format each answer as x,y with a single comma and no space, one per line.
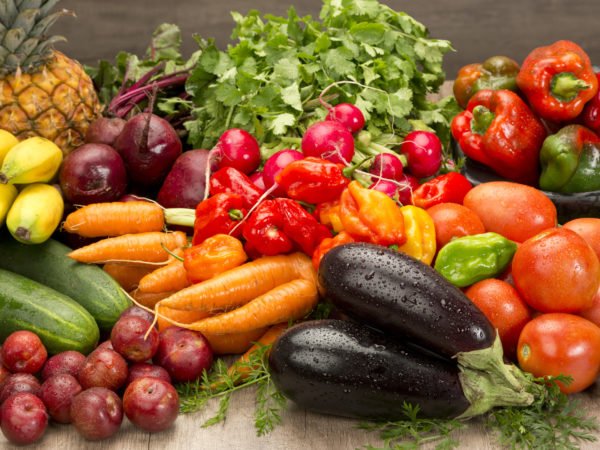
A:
291,96
368,32
280,124
286,69
401,101
166,42
339,60
322,43
228,94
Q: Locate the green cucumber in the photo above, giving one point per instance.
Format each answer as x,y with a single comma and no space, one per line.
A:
87,284
58,320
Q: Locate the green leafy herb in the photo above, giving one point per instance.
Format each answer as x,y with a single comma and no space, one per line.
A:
269,81
413,431
553,421
222,382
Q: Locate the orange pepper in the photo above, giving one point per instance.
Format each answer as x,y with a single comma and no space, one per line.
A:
212,256
370,215
328,214
327,244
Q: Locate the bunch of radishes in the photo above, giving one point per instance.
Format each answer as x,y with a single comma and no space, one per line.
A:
87,391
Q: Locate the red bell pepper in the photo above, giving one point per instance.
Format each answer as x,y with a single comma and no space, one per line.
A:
448,188
499,130
558,80
312,180
218,214
300,226
232,181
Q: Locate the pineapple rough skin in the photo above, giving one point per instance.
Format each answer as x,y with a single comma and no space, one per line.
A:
56,101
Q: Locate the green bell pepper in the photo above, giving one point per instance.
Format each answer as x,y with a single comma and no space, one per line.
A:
570,160
469,259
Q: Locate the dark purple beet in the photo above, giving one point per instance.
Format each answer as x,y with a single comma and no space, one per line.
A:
149,146
184,185
93,173
104,130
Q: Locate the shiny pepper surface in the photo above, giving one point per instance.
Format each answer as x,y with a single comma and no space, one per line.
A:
371,216
214,255
420,234
469,259
231,181
312,180
447,188
220,213
558,80
263,230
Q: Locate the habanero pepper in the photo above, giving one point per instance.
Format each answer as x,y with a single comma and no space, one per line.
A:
499,130
263,230
450,187
558,80
300,226
371,216
218,214
570,160
327,244
232,181
328,214
420,234
214,255
497,72
312,180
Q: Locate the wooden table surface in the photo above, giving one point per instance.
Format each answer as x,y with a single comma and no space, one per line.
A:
300,430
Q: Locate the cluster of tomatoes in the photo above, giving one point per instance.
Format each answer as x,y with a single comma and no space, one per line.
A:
546,305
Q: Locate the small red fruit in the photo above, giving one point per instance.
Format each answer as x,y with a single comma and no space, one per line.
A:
23,351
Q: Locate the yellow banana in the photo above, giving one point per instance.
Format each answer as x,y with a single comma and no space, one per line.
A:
8,193
35,213
7,141
34,160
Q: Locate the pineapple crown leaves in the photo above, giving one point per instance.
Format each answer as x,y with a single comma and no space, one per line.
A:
24,44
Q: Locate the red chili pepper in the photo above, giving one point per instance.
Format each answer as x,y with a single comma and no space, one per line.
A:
263,230
232,181
300,226
312,180
448,188
218,214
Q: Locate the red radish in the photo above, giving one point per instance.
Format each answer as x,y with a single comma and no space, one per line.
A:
328,140
184,185
275,164
423,150
258,180
24,419
408,184
104,130
386,165
348,115
149,146
93,173
389,188
238,148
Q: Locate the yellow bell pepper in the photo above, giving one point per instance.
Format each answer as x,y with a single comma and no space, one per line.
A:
420,234
370,215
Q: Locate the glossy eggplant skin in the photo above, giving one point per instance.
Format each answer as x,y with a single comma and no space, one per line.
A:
396,293
348,369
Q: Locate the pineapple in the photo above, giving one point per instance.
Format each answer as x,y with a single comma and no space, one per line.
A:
42,92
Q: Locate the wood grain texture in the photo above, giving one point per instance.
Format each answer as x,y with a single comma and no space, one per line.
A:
477,29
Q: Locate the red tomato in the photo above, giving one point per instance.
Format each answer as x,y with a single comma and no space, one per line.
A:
589,229
514,210
558,343
453,220
556,271
502,305
593,312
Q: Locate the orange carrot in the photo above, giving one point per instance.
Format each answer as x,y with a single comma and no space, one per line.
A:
233,343
266,339
126,275
289,301
241,284
182,317
171,277
115,219
149,299
140,247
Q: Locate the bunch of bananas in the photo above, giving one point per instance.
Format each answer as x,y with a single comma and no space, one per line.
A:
32,208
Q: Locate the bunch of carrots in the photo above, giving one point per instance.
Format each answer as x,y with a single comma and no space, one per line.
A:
210,287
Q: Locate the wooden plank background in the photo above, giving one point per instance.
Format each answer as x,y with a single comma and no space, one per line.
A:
477,29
